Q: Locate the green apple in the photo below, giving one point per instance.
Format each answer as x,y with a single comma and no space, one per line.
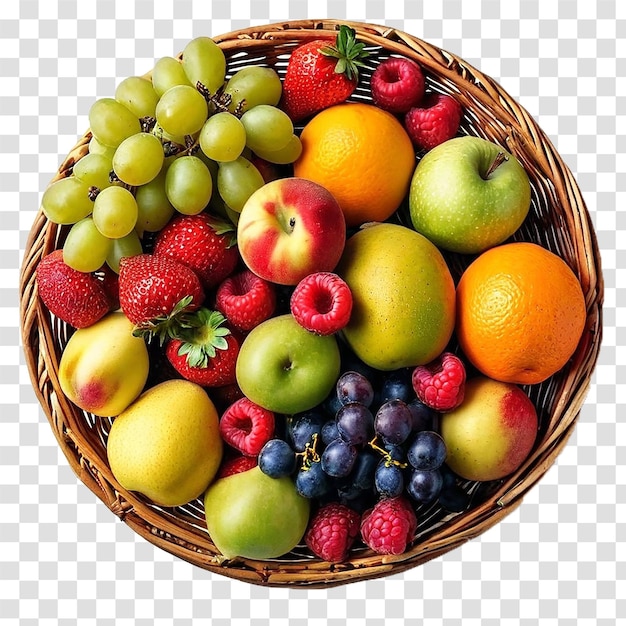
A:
253,516
468,194
285,368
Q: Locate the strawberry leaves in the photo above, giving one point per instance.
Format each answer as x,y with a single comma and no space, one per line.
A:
201,334
348,51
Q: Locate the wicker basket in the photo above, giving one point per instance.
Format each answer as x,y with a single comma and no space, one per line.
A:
558,220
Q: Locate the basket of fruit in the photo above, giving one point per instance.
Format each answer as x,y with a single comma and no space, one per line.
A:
311,303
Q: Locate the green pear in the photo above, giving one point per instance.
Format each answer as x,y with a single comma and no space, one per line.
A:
253,516
167,445
104,367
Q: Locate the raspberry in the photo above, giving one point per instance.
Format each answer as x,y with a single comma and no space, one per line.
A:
440,384
436,120
246,426
332,531
235,465
397,85
389,526
246,300
322,303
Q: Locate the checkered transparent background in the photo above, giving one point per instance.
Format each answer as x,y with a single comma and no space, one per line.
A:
559,559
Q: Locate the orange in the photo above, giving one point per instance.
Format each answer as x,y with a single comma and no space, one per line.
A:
520,313
362,155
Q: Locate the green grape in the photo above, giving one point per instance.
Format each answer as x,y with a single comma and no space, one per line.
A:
223,137
95,147
204,62
94,170
154,208
111,122
182,110
167,73
130,245
138,159
115,212
267,128
188,185
138,95
236,181
288,154
86,248
66,201
253,85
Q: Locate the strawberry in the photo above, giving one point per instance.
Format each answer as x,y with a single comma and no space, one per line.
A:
204,351
320,74
77,298
155,291
203,243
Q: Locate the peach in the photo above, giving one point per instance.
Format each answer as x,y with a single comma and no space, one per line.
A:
104,367
289,228
492,432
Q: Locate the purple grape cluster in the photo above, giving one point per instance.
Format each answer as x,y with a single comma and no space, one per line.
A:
370,439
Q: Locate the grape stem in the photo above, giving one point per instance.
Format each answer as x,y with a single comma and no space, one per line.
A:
389,460
310,454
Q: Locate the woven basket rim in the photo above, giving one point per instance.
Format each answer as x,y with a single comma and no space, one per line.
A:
488,109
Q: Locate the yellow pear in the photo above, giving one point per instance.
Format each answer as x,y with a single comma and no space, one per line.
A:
104,367
167,445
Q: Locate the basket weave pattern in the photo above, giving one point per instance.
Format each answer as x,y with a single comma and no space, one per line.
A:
558,220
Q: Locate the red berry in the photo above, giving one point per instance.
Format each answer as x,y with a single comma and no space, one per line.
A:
246,426
246,300
322,303
154,288
436,120
203,350
77,298
389,526
235,465
332,531
201,242
397,85
440,384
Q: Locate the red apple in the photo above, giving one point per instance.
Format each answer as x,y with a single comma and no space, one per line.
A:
492,432
289,228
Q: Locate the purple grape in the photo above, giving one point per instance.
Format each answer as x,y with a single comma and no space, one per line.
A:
393,422
427,451
423,416
424,486
302,427
277,459
338,458
397,385
389,479
329,431
354,387
355,423
362,474
312,482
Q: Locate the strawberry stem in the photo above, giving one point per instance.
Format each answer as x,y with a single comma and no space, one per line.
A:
348,51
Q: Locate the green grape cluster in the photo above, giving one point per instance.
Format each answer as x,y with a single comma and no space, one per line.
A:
177,142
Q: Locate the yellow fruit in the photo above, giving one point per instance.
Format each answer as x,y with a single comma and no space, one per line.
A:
403,297
104,367
520,313
362,155
167,444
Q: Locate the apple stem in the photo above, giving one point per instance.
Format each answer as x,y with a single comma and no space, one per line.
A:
497,162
